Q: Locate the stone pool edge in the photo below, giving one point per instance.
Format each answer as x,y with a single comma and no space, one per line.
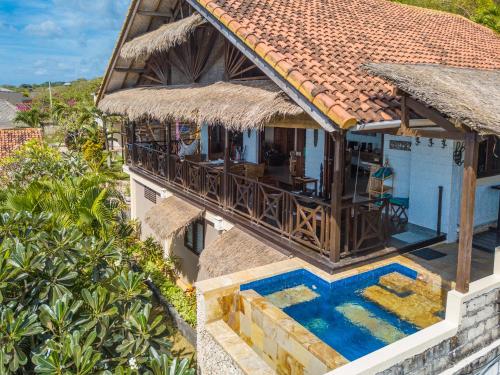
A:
213,294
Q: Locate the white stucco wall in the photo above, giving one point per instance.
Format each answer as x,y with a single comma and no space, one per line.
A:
420,172
314,156
251,144
204,140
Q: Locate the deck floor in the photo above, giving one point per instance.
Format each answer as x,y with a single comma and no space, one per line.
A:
486,241
446,267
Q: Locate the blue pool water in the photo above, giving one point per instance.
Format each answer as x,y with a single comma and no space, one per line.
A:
320,315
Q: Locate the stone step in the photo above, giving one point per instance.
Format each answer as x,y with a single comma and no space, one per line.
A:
402,284
379,328
415,308
292,296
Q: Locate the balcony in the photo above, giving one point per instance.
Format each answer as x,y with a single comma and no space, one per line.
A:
292,219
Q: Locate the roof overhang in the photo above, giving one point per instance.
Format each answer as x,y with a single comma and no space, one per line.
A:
455,99
235,105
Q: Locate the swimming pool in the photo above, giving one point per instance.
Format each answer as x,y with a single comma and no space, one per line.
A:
355,315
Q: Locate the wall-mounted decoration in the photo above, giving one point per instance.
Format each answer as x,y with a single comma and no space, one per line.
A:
417,141
458,153
400,145
316,136
443,143
431,142
249,133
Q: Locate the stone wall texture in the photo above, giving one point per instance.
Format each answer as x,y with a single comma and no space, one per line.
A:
480,325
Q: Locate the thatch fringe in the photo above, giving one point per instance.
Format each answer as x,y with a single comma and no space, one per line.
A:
171,217
468,96
235,251
161,39
236,105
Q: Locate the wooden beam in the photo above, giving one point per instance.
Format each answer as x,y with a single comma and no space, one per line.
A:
226,167
123,69
336,196
405,113
169,147
432,115
149,13
427,133
467,213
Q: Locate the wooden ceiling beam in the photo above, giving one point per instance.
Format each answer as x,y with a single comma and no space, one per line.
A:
124,69
432,115
150,13
428,133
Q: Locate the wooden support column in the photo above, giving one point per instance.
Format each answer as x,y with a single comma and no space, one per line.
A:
169,147
467,213
226,168
336,195
133,143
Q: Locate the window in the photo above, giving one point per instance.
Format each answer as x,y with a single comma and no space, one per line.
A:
194,239
489,157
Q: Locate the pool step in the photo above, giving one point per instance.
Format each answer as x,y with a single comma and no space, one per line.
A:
379,328
402,284
292,296
415,308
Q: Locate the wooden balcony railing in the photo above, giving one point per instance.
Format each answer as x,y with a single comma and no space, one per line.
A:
298,218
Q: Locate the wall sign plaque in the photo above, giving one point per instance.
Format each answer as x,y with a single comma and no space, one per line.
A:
400,145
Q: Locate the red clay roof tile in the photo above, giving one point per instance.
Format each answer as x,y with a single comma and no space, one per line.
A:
324,43
12,139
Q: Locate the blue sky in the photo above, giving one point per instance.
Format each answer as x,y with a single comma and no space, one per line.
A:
57,40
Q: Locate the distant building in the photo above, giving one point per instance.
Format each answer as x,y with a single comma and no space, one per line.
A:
12,139
7,114
11,96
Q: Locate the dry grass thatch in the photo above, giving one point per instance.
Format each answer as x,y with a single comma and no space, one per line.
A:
161,39
236,105
235,251
468,96
171,217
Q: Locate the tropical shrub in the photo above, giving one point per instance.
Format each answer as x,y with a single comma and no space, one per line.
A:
70,304
35,161
163,273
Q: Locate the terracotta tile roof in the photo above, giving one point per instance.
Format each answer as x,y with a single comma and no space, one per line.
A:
11,139
319,46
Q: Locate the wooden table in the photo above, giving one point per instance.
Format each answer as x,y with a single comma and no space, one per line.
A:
304,181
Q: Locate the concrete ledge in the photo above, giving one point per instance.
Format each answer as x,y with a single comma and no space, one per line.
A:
249,362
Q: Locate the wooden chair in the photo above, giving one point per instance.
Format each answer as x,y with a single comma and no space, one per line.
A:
238,169
196,158
255,171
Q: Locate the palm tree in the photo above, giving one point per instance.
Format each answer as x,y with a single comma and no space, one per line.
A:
33,118
90,202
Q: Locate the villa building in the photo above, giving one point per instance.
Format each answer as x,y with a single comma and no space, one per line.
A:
289,152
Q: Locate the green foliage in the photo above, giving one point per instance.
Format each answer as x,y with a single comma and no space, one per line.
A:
35,161
485,12
70,303
33,118
163,272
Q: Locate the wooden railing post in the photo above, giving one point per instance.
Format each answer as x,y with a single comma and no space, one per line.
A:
225,199
336,195
168,141
467,212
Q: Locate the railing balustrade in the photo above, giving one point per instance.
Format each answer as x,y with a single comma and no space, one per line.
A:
299,218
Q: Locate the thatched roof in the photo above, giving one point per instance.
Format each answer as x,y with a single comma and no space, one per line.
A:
171,217
236,105
161,39
468,96
235,251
